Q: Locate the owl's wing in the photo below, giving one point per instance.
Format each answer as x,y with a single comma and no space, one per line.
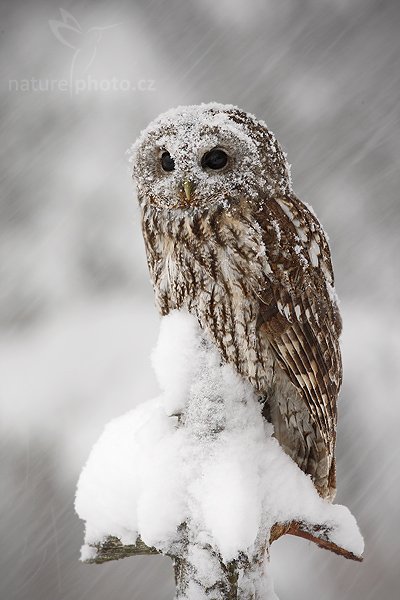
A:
298,310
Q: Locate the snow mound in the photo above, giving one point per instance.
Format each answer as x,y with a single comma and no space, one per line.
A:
216,466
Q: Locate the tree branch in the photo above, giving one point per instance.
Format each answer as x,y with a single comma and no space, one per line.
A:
316,533
113,549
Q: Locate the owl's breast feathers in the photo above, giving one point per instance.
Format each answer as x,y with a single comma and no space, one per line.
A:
261,283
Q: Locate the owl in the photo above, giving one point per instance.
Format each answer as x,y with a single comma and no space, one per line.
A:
227,240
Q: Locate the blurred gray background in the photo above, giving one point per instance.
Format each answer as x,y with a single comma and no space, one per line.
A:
76,307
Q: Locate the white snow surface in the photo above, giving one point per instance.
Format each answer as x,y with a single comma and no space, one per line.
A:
217,468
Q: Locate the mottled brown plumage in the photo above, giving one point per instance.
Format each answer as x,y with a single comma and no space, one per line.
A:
252,262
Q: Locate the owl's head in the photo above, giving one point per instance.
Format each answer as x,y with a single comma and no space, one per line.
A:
198,158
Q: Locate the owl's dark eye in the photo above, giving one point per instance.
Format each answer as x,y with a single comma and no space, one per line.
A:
167,162
214,159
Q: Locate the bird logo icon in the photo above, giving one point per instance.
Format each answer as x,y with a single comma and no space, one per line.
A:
84,42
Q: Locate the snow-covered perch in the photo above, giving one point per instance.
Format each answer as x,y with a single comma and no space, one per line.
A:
196,474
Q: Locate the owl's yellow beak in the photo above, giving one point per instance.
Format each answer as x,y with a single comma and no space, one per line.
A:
187,188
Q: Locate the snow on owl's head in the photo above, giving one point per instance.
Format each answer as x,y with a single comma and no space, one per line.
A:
207,156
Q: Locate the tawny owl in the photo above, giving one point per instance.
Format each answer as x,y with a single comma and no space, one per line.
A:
227,239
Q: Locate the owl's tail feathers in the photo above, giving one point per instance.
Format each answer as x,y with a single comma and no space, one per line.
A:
325,482
332,481
301,440
318,462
